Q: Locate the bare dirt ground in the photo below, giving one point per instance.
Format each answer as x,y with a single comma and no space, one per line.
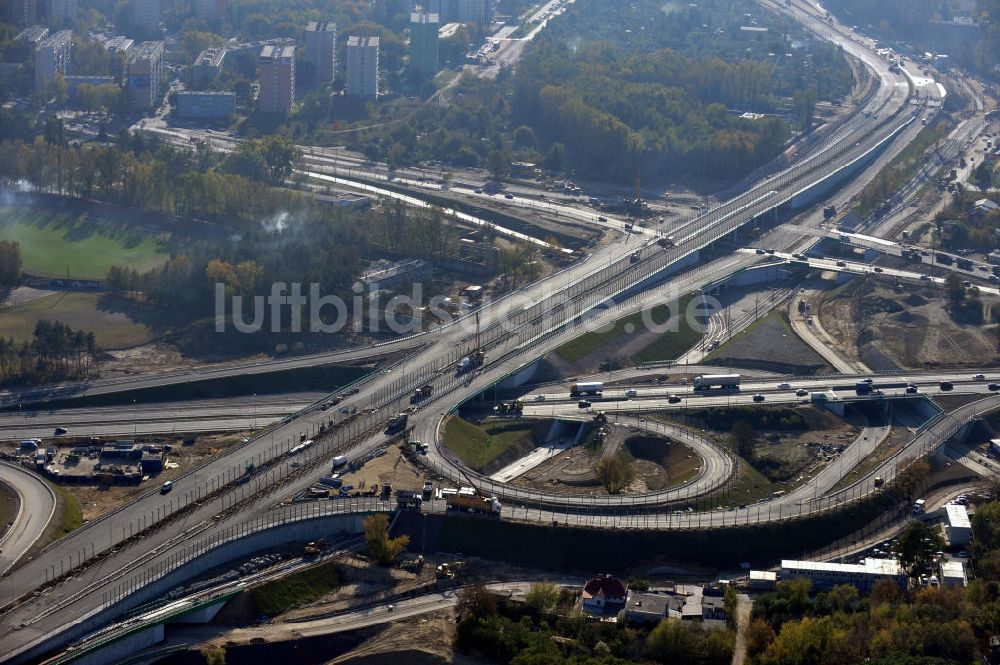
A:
770,345
24,294
658,463
389,469
97,500
905,330
418,640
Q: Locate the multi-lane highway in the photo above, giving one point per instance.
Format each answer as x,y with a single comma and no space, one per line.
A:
36,506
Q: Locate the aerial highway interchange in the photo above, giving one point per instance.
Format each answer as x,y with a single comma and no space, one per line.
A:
82,572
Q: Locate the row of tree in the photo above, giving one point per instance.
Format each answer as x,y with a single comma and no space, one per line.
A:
54,353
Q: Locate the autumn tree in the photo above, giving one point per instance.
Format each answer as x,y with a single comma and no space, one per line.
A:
615,474
916,546
475,602
381,547
542,597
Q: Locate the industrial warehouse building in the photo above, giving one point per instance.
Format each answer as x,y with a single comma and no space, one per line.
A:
861,575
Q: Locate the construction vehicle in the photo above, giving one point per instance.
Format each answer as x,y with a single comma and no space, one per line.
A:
421,393
313,548
449,570
407,500
474,503
509,408
397,423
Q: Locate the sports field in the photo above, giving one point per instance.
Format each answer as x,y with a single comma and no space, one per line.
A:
59,244
80,311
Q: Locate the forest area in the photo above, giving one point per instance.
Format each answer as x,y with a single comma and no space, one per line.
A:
611,87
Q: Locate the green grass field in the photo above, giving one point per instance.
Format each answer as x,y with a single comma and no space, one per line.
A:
8,507
80,312
477,445
306,586
666,346
71,516
55,244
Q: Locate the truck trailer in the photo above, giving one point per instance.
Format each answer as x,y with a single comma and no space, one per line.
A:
586,388
474,503
709,381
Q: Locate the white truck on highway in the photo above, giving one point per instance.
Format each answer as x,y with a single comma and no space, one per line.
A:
709,381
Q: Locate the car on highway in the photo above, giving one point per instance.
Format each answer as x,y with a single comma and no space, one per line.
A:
801,392
841,264
877,269
478,191
631,392
911,389
59,431
760,251
784,386
390,607
925,278
946,386
673,399
166,487
539,398
978,377
583,404
602,218
758,398
508,196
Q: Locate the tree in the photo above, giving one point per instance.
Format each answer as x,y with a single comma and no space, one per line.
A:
380,546
542,597
555,158
732,603
10,263
498,163
743,438
916,546
911,479
475,602
758,637
280,155
615,474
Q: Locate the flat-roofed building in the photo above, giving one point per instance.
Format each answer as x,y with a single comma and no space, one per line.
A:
145,75
194,104
211,10
957,527
953,574
62,11
146,16
52,57
276,70
362,66
207,66
21,12
424,43
861,575
321,50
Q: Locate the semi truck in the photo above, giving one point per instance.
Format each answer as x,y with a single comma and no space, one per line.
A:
586,388
471,362
709,381
474,503
421,393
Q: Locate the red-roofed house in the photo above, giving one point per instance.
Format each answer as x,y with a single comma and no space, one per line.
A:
604,593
